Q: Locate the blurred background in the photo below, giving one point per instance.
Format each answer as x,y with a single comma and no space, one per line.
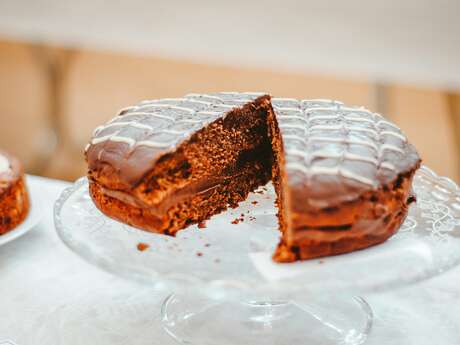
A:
68,66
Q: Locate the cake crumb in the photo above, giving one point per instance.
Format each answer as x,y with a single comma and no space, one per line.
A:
207,245
142,246
321,261
202,224
235,221
199,254
254,202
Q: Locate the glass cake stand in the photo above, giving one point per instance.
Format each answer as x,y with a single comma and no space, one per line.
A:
225,289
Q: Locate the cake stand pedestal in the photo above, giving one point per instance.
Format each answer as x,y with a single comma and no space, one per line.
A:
193,320
227,290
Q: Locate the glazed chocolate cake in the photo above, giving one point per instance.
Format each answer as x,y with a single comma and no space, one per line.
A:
342,174
14,200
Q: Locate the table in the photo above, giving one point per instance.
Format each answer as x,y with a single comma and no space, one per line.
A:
50,296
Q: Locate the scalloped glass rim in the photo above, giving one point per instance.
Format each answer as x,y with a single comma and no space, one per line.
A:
225,259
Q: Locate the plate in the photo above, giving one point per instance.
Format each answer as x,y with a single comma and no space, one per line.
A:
233,253
32,219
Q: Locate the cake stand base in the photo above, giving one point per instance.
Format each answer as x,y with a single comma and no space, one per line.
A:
200,321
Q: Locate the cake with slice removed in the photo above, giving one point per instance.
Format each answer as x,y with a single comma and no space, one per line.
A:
342,174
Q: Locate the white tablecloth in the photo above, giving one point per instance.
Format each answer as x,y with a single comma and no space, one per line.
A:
49,296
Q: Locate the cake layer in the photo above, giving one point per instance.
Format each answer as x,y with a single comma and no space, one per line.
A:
190,209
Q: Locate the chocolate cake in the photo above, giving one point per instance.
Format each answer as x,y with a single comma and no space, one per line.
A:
342,174
14,200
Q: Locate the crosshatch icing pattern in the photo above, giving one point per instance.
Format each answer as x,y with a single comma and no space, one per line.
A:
165,122
328,137
321,137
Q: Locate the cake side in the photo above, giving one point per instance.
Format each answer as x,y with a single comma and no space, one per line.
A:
365,222
14,200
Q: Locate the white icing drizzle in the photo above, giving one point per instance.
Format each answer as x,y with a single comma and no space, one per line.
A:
322,109
344,141
4,164
294,117
337,170
386,123
336,155
321,100
323,117
344,127
289,109
213,113
388,165
125,140
390,147
126,123
99,155
152,143
228,106
113,137
394,134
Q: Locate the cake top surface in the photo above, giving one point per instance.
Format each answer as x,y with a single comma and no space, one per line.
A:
132,141
163,123
333,152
